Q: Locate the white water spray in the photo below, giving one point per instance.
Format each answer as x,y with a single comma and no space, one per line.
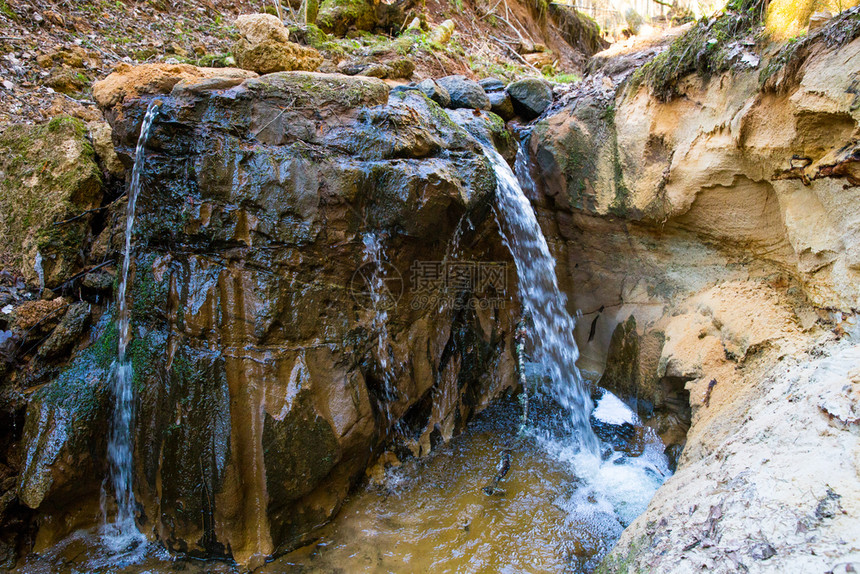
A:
120,448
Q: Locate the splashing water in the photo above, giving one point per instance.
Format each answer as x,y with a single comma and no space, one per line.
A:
120,449
554,347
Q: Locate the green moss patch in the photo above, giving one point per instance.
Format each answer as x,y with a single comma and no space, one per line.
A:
49,174
709,48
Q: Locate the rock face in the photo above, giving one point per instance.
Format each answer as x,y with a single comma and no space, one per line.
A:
50,180
710,242
266,378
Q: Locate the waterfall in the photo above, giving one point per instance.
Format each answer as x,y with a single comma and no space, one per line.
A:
544,305
120,449
381,300
40,271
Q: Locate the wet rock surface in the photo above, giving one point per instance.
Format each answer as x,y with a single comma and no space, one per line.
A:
531,97
263,388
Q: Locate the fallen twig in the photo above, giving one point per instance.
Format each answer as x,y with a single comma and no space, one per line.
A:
80,215
514,52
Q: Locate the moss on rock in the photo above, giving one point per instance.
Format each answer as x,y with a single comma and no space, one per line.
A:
706,49
338,16
49,174
66,425
313,90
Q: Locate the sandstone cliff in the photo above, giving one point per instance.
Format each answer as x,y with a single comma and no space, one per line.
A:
710,240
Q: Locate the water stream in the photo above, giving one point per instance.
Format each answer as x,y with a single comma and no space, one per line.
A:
380,298
559,506
40,271
544,305
120,448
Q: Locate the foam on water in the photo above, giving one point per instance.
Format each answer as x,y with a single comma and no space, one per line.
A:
610,409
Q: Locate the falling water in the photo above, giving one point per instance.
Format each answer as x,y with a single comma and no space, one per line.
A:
381,299
40,271
543,302
120,442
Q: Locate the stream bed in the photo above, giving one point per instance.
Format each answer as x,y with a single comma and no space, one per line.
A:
552,511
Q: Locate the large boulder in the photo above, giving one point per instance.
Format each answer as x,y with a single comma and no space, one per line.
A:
265,47
259,28
266,376
49,180
339,16
531,97
465,93
269,57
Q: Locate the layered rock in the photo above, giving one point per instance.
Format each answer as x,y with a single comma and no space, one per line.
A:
709,241
265,381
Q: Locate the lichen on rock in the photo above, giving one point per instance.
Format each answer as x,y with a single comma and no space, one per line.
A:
50,180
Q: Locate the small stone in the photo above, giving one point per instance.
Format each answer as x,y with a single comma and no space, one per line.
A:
443,32
465,93
501,105
375,71
8,85
763,551
67,81
67,332
492,85
174,48
400,69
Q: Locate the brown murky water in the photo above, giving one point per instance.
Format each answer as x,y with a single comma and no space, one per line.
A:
431,515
